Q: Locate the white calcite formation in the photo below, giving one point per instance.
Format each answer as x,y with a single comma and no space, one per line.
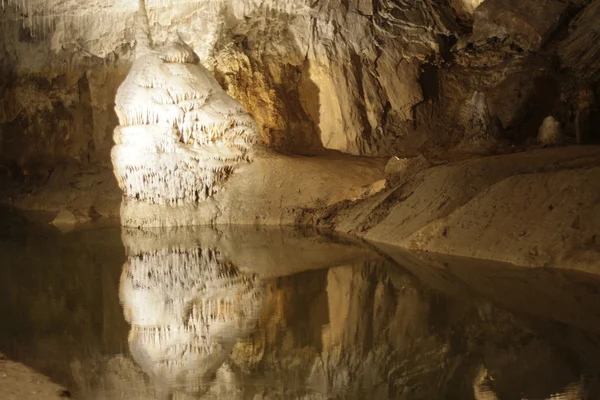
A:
550,132
478,124
180,135
187,307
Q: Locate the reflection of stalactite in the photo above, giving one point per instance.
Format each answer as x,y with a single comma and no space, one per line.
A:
187,306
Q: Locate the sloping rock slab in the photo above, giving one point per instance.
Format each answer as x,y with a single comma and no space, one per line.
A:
527,24
581,49
539,208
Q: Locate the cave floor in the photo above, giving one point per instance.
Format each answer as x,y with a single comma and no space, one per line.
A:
248,312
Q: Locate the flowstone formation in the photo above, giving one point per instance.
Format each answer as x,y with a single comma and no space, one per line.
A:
187,307
180,135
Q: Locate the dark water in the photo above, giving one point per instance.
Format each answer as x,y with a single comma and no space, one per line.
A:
246,313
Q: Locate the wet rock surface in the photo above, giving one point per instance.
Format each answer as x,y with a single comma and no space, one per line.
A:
20,382
524,208
534,208
180,135
457,91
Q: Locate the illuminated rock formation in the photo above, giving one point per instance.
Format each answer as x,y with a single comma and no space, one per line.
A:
550,132
180,135
480,129
187,307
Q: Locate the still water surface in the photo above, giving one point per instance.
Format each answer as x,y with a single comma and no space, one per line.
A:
248,313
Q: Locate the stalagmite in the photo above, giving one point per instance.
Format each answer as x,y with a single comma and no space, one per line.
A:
180,135
550,132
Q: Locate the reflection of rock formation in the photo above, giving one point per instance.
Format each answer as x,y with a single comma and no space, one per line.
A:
347,330
266,251
180,134
349,324
187,307
191,293
373,331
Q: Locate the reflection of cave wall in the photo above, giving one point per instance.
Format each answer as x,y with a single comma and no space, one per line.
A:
366,330
373,331
59,304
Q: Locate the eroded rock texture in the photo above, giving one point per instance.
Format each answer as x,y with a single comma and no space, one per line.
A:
515,208
180,134
373,77
433,78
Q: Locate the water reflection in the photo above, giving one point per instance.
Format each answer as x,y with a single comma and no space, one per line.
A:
187,306
247,313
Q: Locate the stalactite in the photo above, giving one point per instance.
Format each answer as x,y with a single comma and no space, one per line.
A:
143,36
180,134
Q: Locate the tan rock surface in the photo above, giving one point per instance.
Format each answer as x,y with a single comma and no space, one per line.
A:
538,208
274,189
18,382
363,77
527,24
308,73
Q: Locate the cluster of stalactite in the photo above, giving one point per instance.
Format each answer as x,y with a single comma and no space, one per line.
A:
180,135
